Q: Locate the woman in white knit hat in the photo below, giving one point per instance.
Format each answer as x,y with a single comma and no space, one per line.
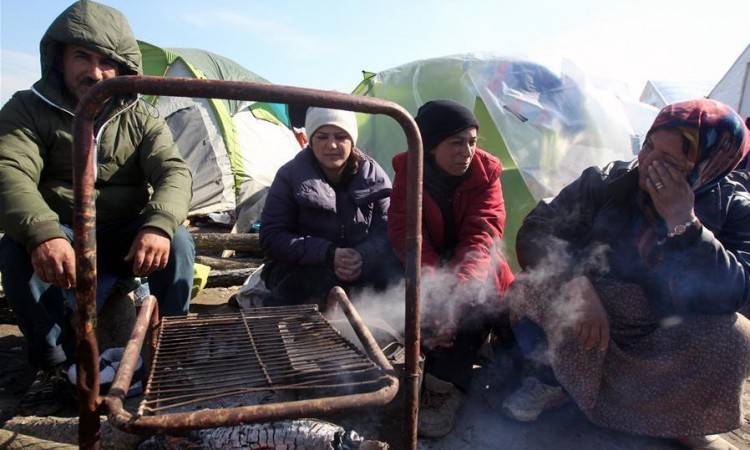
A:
324,222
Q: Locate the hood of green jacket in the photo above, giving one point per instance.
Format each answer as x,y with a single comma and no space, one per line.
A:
94,26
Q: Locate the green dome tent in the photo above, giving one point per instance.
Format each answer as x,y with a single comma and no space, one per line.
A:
234,147
545,128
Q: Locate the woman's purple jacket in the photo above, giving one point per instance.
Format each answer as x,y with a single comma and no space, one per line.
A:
303,215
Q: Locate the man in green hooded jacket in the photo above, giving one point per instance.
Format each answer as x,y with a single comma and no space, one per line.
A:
143,191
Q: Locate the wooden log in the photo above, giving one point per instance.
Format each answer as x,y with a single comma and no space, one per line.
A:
230,253
10,440
228,264
63,432
228,278
242,242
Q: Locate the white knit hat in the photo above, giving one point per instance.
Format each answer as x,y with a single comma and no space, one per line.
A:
318,117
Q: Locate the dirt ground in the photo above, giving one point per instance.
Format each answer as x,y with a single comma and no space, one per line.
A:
479,424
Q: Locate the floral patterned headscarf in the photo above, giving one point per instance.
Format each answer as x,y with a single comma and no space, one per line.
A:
717,140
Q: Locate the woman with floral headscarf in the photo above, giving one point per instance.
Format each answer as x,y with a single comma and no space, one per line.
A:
633,277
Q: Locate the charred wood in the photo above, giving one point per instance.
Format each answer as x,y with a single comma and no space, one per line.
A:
301,433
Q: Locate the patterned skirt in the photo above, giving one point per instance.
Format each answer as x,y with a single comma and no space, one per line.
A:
680,376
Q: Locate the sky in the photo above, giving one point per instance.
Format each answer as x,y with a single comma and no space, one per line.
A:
327,44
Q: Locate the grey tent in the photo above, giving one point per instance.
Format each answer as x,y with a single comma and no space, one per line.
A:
234,148
734,87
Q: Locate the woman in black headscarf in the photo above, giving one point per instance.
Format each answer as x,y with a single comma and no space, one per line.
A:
464,270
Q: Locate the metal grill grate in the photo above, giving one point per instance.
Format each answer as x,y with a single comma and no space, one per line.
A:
259,356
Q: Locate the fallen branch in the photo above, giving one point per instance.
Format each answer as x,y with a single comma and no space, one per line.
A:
15,441
228,278
59,433
228,264
242,242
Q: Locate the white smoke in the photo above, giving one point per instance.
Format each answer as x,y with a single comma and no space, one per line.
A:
448,299
543,295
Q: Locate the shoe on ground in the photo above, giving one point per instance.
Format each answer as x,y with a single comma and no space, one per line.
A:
708,442
533,398
46,395
437,407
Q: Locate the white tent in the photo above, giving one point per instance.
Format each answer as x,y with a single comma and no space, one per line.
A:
734,87
660,93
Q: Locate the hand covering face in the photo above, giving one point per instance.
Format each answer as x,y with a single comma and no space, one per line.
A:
715,140
716,135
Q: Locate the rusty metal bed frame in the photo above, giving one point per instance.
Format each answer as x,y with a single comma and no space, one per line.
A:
84,224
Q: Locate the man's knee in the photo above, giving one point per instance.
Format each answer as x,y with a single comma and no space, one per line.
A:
16,271
183,246
172,286
12,255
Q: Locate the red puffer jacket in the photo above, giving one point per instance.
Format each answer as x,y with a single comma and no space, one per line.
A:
479,210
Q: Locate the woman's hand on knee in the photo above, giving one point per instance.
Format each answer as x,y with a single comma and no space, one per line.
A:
590,319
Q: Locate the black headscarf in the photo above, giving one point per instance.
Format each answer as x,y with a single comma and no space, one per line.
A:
439,119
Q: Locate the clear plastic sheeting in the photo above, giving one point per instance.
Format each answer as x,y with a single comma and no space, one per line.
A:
551,125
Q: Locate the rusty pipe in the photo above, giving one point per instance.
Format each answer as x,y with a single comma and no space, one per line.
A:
84,217
84,245
122,419
413,292
240,90
210,418
372,348
129,361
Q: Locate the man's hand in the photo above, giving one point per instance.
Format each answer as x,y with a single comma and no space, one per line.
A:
54,262
591,322
149,251
347,264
